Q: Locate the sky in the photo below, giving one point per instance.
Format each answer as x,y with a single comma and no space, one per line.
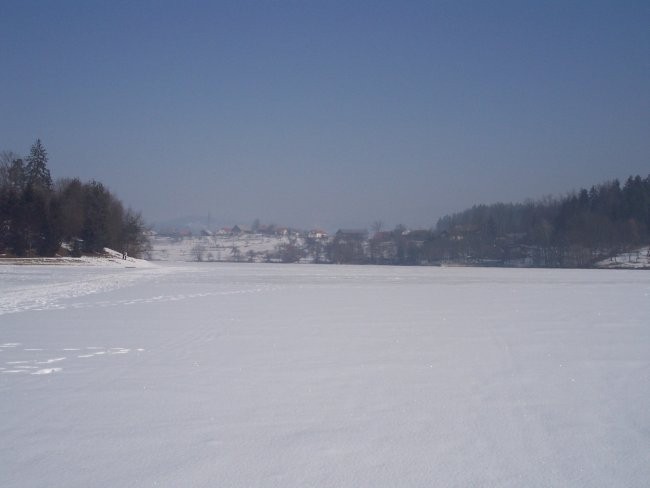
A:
328,113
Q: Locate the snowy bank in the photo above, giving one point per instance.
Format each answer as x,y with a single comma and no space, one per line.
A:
638,259
111,258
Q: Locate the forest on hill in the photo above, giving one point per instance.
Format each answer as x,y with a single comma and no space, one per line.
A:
575,230
39,217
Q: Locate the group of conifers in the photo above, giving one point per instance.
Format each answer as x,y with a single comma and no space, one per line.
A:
38,215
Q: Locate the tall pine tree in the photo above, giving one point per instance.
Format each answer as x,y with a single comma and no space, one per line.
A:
37,173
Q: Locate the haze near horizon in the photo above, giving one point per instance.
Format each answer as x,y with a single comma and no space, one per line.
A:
328,113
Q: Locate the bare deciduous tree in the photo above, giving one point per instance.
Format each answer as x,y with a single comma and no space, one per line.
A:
197,252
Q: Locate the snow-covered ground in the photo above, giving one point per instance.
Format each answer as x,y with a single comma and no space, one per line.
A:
210,374
228,248
638,259
110,259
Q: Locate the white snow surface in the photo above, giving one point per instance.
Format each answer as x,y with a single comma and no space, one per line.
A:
266,375
637,259
111,258
216,248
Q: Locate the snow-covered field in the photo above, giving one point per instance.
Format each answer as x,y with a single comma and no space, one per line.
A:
203,375
228,248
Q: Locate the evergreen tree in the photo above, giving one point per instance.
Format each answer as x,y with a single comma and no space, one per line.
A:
37,173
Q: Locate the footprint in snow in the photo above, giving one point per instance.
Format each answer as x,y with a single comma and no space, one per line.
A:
34,365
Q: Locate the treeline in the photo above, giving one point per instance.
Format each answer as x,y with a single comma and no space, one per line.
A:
574,230
37,215
571,231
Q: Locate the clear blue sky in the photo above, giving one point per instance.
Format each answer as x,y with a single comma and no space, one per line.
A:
328,113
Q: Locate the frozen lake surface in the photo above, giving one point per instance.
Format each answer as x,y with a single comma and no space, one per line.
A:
329,376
